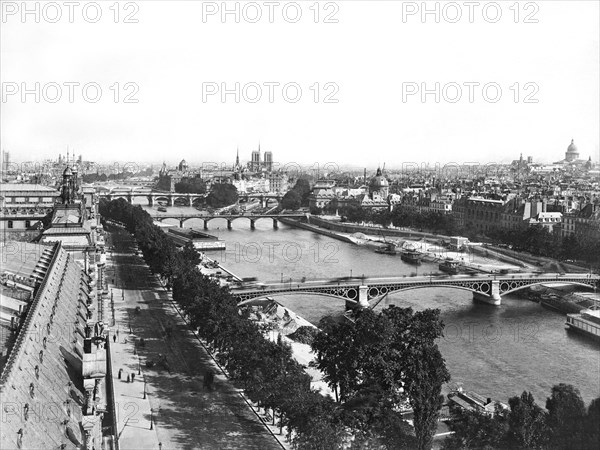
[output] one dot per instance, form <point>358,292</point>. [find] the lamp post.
<point>144,388</point>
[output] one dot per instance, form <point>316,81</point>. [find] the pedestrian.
<point>117,332</point>
<point>120,372</point>
<point>115,338</point>
<point>128,379</point>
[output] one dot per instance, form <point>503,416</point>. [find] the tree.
<point>477,430</point>
<point>222,194</point>
<point>191,185</point>
<point>566,412</point>
<point>527,422</point>
<point>291,200</point>
<point>426,373</point>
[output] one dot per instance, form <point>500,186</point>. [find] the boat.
<point>410,255</point>
<point>162,209</point>
<point>472,401</point>
<point>586,322</point>
<point>389,249</point>
<point>450,266</point>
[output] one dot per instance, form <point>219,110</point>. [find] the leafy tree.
<point>566,412</point>
<point>527,423</point>
<point>477,430</point>
<point>222,194</point>
<point>291,200</point>
<point>191,185</point>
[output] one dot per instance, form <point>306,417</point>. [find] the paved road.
<point>186,416</point>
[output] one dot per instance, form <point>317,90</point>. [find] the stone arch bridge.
<point>228,217</point>
<point>169,198</point>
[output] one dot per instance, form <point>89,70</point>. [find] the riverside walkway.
<point>177,413</point>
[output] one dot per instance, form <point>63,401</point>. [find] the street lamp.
<point>144,388</point>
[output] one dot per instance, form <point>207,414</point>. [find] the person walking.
<point>120,372</point>
<point>132,377</point>
<point>128,379</point>
<point>115,338</point>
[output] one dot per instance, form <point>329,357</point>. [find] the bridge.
<point>229,217</point>
<point>360,291</point>
<point>169,198</point>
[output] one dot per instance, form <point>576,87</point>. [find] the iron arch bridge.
<point>487,288</point>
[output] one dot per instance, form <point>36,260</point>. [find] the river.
<point>495,351</point>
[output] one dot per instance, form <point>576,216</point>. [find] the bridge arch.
<point>479,288</point>
<point>261,296</point>
<point>508,287</point>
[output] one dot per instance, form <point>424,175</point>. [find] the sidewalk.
<point>185,415</point>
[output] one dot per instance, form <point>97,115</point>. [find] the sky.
<point>339,82</point>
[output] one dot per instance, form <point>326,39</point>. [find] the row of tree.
<point>565,424</point>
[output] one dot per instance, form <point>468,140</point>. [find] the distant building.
<point>278,182</point>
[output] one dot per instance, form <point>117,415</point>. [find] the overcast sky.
<point>374,61</point>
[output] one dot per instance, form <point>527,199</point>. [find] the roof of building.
<point>40,371</point>
<point>7,188</point>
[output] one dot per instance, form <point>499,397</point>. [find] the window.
<point>10,224</point>
<point>27,223</point>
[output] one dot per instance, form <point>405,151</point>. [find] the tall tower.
<point>67,193</point>
<point>268,161</point>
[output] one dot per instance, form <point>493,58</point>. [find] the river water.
<point>495,351</point>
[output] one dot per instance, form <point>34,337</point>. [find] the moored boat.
<point>450,266</point>
<point>586,322</point>
<point>410,255</point>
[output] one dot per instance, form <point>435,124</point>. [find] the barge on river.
<point>586,322</point>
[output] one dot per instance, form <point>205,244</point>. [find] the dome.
<point>572,148</point>
<point>183,163</point>
<point>67,172</point>
<point>379,180</point>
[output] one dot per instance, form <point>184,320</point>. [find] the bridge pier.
<point>229,224</point>
<point>363,297</point>
<point>252,225</point>
<point>492,299</point>
<point>275,224</point>
<point>181,224</point>
<point>150,201</point>
<point>205,224</point>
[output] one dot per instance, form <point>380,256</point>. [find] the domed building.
<point>572,153</point>
<point>572,157</point>
<point>379,188</point>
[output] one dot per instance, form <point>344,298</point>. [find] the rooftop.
<point>25,187</point>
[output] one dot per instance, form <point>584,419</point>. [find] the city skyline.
<point>377,77</point>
